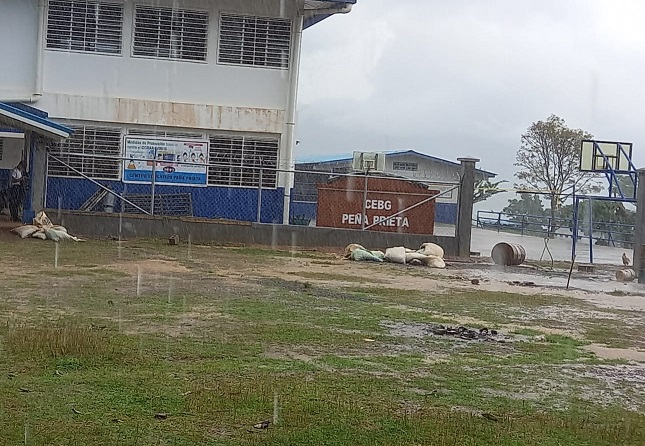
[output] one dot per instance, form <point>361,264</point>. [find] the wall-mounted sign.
<point>179,162</point>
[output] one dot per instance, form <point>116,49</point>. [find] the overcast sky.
<point>467,77</point>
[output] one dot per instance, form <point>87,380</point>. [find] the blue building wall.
<point>445,213</point>
<point>208,202</point>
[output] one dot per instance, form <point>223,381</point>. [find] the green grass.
<point>84,359</point>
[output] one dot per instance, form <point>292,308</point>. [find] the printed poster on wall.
<point>178,162</point>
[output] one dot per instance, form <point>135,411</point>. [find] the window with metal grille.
<point>169,33</point>
<point>88,26</point>
<point>254,41</point>
<point>237,161</point>
<point>405,166</point>
<point>1,148</point>
<point>94,151</point>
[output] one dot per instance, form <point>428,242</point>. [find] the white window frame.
<point>406,164</point>
<point>46,33</point>
<point>287,61</point>
<point>271,170</point>
<point>81,155</point>
<point>172,9</point>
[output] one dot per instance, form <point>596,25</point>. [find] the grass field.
<point>142,343</point>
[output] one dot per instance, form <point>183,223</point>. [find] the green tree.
<point>527,204</point>
<point>549,160</point>
<point>484,189</point>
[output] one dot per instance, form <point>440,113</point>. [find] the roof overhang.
<point>318,10</point>
<point>26,119</point>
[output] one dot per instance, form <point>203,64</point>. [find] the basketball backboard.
<point>605,156</point>
<point>368,161</point>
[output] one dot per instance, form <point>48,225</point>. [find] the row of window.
<point>410,167</point>
<point>167,33</point>
<point>233,160</point>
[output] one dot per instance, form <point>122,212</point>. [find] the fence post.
<point>152,183</point>
<point>523,223</point>
<point>465,206</point>
<point>639,228</point>
<point>258,219</point>
<point>363,217</point>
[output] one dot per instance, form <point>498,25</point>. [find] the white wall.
<point>93,87</point>
<point>125,76</point>
<point>18,24</point>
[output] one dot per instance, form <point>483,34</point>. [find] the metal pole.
<point>259,198</point>
<point>590,232</point>
<point>152,184</point>
<point>96,182</point>
<point>364,216</point>
<point>574,229</point>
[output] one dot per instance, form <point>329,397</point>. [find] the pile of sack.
<point>429,254</point>
<point>43,229</point>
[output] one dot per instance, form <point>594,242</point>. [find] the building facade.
<point>437,172</point>
<point>224,72</point>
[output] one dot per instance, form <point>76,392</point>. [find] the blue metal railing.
<point>604,233</point>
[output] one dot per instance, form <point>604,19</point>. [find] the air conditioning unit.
<point>368,162</point>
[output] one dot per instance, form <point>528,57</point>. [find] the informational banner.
<point>179,162</point>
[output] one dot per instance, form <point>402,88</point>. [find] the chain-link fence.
<point>254,193</point>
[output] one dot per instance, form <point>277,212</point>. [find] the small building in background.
<point>437,172</point>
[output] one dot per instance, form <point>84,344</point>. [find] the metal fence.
<point>248,192</point>
<point>602,233</point>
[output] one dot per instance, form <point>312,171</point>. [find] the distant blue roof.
<point>404,152</point>
<point>311,17</point>
<point>25,118</point>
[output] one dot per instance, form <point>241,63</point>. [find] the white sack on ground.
<point>25,231</point>
<point>395,255</point>
<point>39,235</point>
<point>431,249</point>
<point>351,248</point>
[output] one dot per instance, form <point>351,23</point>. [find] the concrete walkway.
<point>483,241</point>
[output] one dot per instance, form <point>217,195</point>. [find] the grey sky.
<point>468,77</point>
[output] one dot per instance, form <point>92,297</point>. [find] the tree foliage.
<point>528,205</point>
<point>484,189</point>
<point>549,160</point>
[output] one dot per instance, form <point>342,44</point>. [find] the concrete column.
<point>639,228</point>
<point>35,199</point>
<point>465,206</point>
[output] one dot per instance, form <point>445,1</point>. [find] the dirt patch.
<point>151,266</point>
<point>287,355</point>
<point>616,353</point>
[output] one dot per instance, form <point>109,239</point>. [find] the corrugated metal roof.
<point>311,6</point>
<point>405,152</point>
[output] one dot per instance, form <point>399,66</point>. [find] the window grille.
<point>411,167</point>
<point>88,26</point>
<point>254,41</point>
<point>169,33</point>
<point>237,161</point>
<point>81,149</point>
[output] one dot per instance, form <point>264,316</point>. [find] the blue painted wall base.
<point>234,203</point>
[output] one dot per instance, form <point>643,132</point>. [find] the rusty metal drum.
<point>508,254</point>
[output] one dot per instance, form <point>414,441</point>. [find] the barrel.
<point>508,254</point>
<point>625,275</point>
